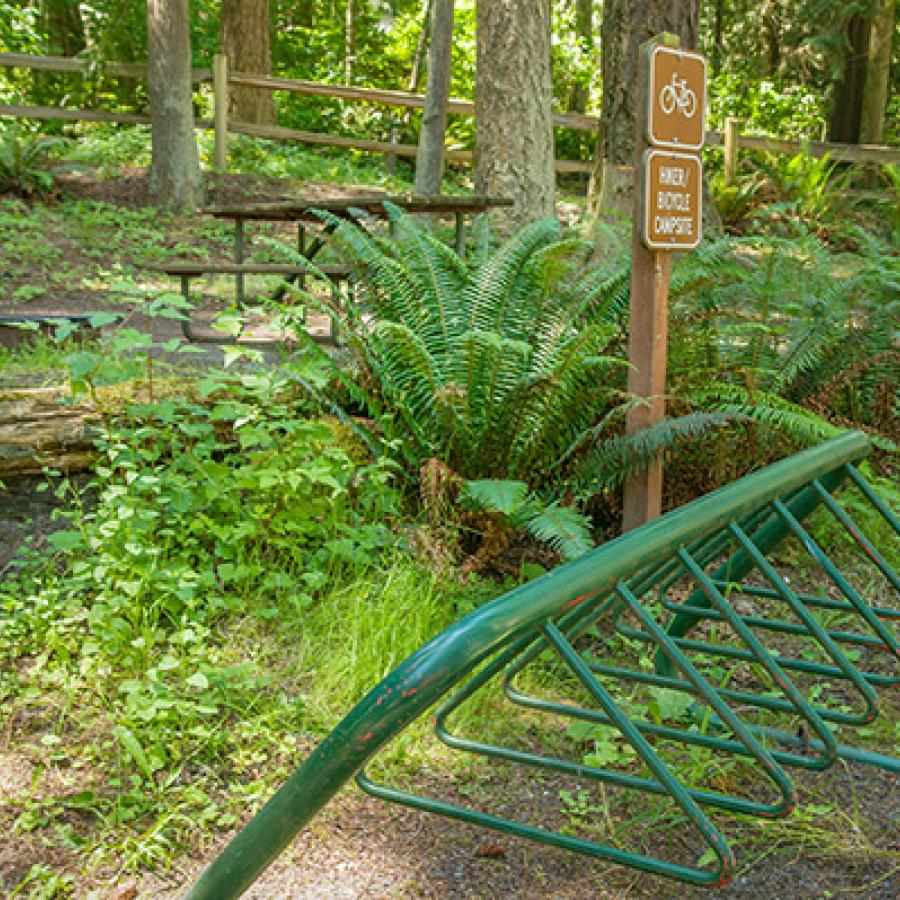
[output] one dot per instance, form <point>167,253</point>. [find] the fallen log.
<point>44,428</point>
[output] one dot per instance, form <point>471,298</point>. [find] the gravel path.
<point>359,847</point>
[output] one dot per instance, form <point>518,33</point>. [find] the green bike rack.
<point>816,657</point>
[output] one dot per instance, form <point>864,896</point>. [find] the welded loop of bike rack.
<point>579,610</point>
<point>711,603</point>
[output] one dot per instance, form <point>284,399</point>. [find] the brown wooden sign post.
<point>667,217</point>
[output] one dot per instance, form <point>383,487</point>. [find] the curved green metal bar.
<point>862,608</point>
<point>795,698</point>
<point>662,783</point>
<point>858,536</point>
<point>443,662</point>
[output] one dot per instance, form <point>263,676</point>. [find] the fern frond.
<point>562,527</point>
<point>767,409</point>
<point>487,293</point>
<point>496,495</point>
<point>617,458</point>
<point>390,292</point>
<point>411,379</point>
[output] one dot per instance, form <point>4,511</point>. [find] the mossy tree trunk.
<point>846,108</point>
<point>878,74</point>
<point>584,34</point>
<point>626,25</point>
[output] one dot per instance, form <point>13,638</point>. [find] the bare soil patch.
<point>360,847</point>
<point>131,188</point>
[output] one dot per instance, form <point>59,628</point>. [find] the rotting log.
<point>39,429</point>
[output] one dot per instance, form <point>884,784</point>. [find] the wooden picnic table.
<point>303,210</point>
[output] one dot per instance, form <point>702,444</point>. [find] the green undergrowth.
<point>38,361</point>
<point>233,578</point>
<point>111,149</point>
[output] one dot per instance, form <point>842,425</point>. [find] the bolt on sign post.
<point>667,217</point>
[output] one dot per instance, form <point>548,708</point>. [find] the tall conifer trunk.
<point>584,34</point>
<point>175,168</point>
<point>65,30</point>
<point>513,107</point>
<point>626,25</point>
<point>878,74</point>
<point>430,156</point>
<point>846,109</point>
<point>244,39</point>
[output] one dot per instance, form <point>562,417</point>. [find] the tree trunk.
<point>65,30</point>
<point>846,112</point>
<point>349,41</point>
<point>513,106</point>
<point>244,39</point>
<point>175,168</point>
<point>626,25</point>
<point>718,30</point>
<point>305,13</point>
<point>878,74</point>
<point>430,156</point>
<point>415,75</point>
<point>42,427</point>
<point>772,27</point>
<point>584,34</point>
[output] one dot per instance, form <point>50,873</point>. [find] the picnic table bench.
<point>14,326</point>
<point>188,271</point>
<point>305,211</point>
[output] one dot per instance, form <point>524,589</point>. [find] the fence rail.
<point>732,140</point>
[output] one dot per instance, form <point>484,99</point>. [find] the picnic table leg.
<point>239,258</point>
<point>186,293</point>
<point>301,249</point>
<point>314,248</point>
<point>460,243</point>
<point>333,329</point>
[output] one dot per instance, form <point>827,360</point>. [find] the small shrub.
<point>30,163</point>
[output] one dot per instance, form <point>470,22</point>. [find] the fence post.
<point>220,110</point>
<point>390,159</point>
<point>732,141</point>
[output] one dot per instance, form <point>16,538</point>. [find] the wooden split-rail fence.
<point>220,77</point>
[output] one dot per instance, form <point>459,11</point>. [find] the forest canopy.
<point>782,67</point>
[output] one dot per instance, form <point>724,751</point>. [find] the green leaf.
<point>604,754</point>
<point>66,540</point>
<point>83,364</point>
<point>198,681</point>
<point>130,743</point>
<point>564,528</point>
<point>99,319</point>
<point>672,704</point>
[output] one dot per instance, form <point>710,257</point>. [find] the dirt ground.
<point>360,847</point>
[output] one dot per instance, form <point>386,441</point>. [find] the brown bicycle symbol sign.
<point>677,99</point>
<point>678,94</point>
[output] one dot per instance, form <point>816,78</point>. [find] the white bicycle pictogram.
<point>678,94</point>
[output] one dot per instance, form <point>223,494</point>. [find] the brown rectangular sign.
<point>672,192</point>
<point>676,99</point>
